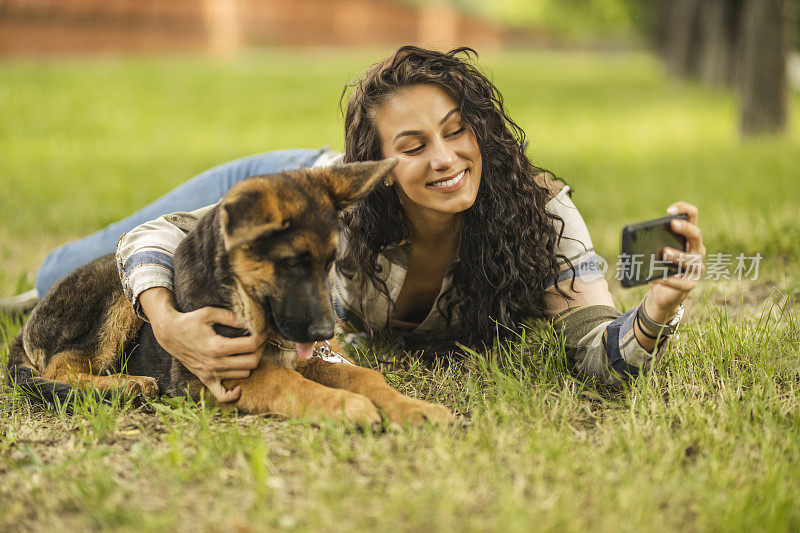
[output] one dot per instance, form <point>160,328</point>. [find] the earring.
<point>386,182</point>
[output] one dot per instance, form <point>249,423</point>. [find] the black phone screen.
<point>641,260</point>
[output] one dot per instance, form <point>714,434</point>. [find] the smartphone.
<point>641,259</point>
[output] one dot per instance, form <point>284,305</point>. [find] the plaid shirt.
<point>598,338</point>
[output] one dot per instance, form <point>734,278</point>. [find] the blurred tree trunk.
<point>659,26</point>
<point>682,32</point>
<point>763,83</point>
<point>741,43</point>
<point>719,48</point>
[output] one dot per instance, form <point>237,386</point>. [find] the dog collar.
<point>281,346</point>
<point>322,350</point>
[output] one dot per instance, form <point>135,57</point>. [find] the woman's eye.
<point>459,131</point>
<point>413,150</point>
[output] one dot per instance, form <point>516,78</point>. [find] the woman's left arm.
<point>601,340</point>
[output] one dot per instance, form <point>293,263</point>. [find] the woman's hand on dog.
<point>191,339</point>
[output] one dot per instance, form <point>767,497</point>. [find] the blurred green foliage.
<point>569,18</point>
<point>581,19</point>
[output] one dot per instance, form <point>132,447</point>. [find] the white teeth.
<point>450,182</point>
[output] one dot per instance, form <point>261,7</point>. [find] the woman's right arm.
<point>144,260</point>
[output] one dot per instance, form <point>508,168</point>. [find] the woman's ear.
<point>347,184</point>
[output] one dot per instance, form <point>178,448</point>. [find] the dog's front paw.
<point>360,411</point>
<point>140,386</point>
<point>410,411</point>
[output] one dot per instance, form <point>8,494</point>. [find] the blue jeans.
<point>204,189</point>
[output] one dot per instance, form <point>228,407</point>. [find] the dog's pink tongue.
<point>304,350</point>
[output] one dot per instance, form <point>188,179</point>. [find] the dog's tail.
<point>23,375</point>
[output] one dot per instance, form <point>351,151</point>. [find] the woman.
<point>466,234</point>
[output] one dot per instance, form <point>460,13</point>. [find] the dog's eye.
<point>290,262</point>
<point>260,246</point>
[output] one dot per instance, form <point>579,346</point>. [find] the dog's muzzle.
<point>298,328</point>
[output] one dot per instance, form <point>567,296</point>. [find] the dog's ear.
<point>350,182</point>
<point>237,212</point>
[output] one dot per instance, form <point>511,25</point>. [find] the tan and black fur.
<point>265,252</point>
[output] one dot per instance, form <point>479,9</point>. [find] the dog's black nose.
<point>320,332</point>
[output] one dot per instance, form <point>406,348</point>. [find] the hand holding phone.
<point>672,241</point>
<point>642,256</point>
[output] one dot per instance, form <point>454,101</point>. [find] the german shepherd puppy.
<point>265,252</point>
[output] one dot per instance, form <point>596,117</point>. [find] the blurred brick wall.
<point>223,26</point>
<point>66,26</point>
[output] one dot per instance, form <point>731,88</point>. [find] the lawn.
<point>707,439</point>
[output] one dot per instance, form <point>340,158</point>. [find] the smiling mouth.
<point>451,181</point>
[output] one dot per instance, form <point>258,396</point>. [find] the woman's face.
<point>439,161</point>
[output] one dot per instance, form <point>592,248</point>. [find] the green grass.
<point>708,439</point>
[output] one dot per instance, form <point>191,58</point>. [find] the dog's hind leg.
<point>92,356</point>
<point>73,367</point>
<point>23,375</point>
<point>399,408</point>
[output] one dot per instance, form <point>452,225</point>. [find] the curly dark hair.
<point>505,261</point>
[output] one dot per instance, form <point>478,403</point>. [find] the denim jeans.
<point>205,189</point>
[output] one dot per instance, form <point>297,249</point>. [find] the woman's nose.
<point>442,156</point>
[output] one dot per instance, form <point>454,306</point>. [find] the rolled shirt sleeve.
<point>598,338</point>
<point>145,254</point>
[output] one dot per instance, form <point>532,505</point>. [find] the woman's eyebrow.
<point>448,115</point>
<point>418,132</point>
<point>407,132</point>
